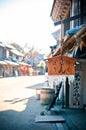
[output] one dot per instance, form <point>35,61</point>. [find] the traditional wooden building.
<point>71,15</point>
<point>10,60</point>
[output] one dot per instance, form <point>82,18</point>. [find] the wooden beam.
<point>70,19</point>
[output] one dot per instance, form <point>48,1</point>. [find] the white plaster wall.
<point>56,80</point>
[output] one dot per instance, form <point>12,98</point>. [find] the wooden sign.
<point>61,65</point>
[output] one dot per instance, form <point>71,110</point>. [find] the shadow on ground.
<point>23,120</point>
<point>40,85</point>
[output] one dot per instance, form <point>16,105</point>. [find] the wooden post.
<point>61,35</point>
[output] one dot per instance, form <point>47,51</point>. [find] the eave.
<point>60,10</point>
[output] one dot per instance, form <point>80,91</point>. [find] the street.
<point>18,103</point>
<point>15,91</point>
<point>19,106</point>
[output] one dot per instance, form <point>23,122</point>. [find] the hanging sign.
<point>61,65</point>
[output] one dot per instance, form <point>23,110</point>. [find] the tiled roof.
<point>17,52</point>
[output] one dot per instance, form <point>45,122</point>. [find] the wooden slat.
<point>61,8</point>
<point>49,118</point>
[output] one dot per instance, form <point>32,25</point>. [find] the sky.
<point>27,22</point>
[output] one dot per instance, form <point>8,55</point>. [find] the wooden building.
<point>71,15</point>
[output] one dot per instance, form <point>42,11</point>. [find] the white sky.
<point>27,22</point>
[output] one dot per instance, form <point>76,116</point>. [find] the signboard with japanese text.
<point>61,65</point>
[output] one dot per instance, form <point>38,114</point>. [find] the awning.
<point>2,45</point>
<point>23,63</point>
<point>9,46</point>
<point>3,63</point>
<point>11,63</point>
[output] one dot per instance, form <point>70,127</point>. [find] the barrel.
<point>47,95</point>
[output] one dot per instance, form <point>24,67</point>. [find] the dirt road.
<point>18,105</point>
<point>17,88</point>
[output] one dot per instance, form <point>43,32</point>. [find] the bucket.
<point>47,95</point>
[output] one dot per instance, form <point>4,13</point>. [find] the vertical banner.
<point>61,65</point>
<point>77,99</point>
